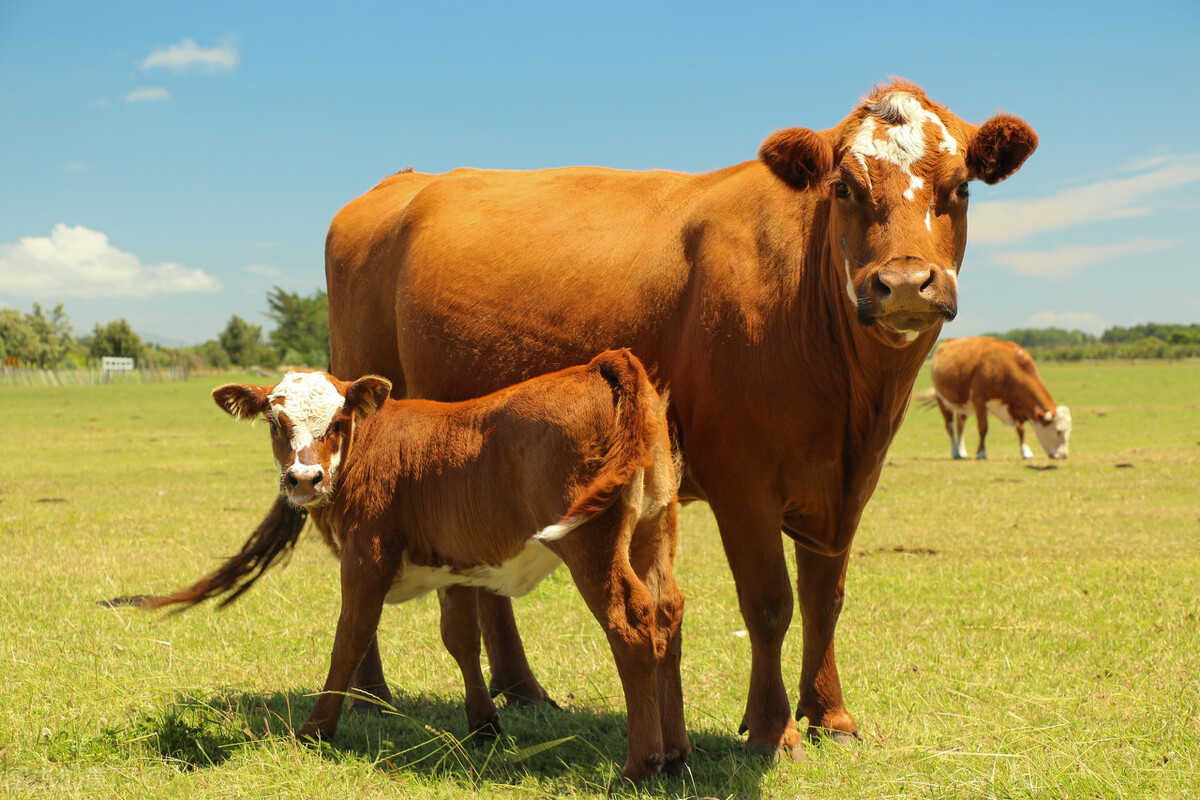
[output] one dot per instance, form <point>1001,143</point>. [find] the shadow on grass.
<point>563,751</point>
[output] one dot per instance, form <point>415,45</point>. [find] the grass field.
<point>1012,629</point>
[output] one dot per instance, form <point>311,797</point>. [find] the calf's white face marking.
<point>310,401</point>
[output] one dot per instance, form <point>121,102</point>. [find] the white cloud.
<point>1009,221</point>
<point>147,94</point>
<point>187,56</point>
<point>75,166</point>
<point>266,270</point>
<point>1071,320</point>
<point>1066,260</point>
<point>80,262</point>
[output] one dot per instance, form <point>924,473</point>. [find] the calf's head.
<point>311,416</point>
<point>1053,429</point>
<point>895,174</point>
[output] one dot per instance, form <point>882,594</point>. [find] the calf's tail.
<point>274,538</point>
<point>639,413</point>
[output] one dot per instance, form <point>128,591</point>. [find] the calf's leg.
<point>368,680</point>
<point>460,635</point>
<point>652,555</point>
<point>597,555</point>
<point>365,582</point>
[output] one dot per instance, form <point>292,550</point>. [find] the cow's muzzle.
<point>908,294</point>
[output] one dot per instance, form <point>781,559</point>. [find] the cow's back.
<point>982,367</point>
<point>476,279</point>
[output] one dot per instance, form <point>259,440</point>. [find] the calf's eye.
<point>274,427</point>
<point>841,189</point>
<point>963,190</point>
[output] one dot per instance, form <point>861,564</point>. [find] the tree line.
<point>300,338</point>
<point>1151,340</point>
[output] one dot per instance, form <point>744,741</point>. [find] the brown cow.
<point>414,496</point>
<point>986,374</point>
<point>788,302</point>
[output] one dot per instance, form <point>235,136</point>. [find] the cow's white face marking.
<point>1055,436</point>
<point>903,143</point>
<point>849,280</point>
<point>310,401</point>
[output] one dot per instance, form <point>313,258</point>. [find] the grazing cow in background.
<point>787,302</point>
<point>989,375</point>
<point>414,496</point>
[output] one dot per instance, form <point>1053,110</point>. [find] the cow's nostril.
<point>291,480</point>
<point>318,477</point>
<point>882,290</point>
<point>928,284</point>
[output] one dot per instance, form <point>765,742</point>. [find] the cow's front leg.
<point>368,687</point>
<point>753,544</point>
<point>1026,452</point>
<point>821,584</point>
<point>981,419</point>
<point>511,674</point>
<point>460,635</point>
<point>365,581</point>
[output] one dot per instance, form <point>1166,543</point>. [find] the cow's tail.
<point>640,412</point>
<point>926,398</point>
<point>274,538</point>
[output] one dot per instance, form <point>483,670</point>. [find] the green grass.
<point>1010,631</point>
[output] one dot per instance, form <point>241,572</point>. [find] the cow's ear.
<point>798,156</point>
<point>999,147</point>
<point>242,401</point>
<point>367,395</point>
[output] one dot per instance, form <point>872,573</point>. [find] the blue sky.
<point>170,162</point>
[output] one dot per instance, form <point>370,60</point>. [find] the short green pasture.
<point>1012,629</point>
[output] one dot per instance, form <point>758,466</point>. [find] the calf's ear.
<point>798,156</point>
<point>367,395</point>
<point>242,401</point>
<point>999,147</point>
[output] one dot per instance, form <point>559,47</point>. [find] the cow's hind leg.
<point>365,581</point>
<point>981,419</point>
<point>652,555</point>
<point>948,416</point>
<point>597,555</point>
<point>460,634</point>
<point>511,674</point>
<point>821,583</point>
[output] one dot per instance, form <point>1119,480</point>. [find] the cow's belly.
<point>513,578</point>
<point>957,408</point>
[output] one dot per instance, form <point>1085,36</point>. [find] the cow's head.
<point>1053,429</point>
<point>311,416</point>
<point>896,172</point>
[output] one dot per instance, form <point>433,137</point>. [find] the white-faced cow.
<point>415,496</point>
<point>982,374</point>
<point>788,302</point>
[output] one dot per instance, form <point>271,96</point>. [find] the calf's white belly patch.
<point>512,578</point>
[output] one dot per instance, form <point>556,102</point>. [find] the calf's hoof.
<point>648,767</point>
<point>674,760</point>
<point>775,753</point>
<point>833,735</point>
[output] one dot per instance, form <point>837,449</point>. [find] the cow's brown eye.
<point>963,190</point>
<point>841,189</point>
<point>336,428</point>
<point>274,427</point>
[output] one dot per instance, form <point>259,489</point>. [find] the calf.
<point>414,496</point>
<point>988,374</point>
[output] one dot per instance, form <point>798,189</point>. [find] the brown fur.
<point>467,485</point>
<point>732,286</point>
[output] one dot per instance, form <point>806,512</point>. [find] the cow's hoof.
<point>523,695</point>
<point>310,734</point>
<point>775,753</point>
